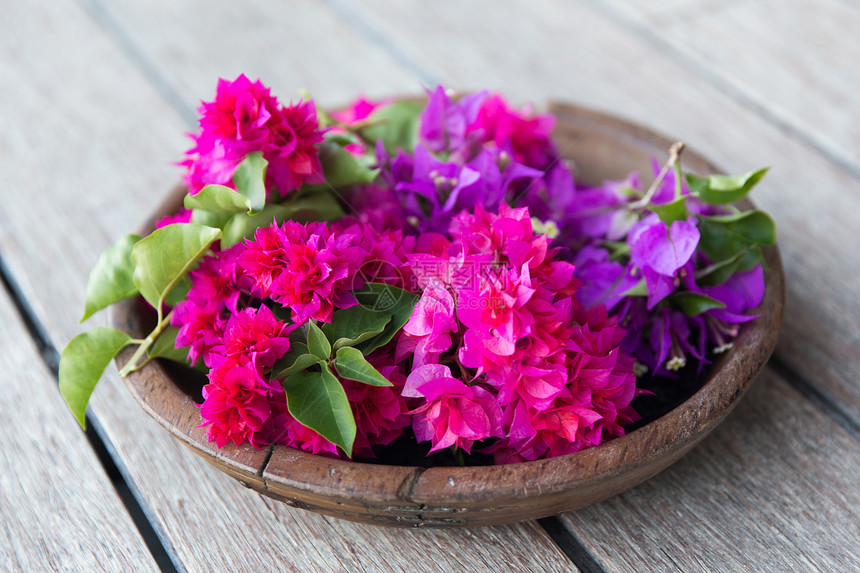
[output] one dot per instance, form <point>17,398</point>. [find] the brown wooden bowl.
<point>601,147</point>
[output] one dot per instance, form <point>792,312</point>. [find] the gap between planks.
<point>622,18</point>
<point>51,358</point>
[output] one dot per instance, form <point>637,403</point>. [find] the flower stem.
<point>674,154</point>
<point>677,148</point>
<point>458,456</point>
<point>144,345</point>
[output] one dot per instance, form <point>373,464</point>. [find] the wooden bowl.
<point>601,147</point>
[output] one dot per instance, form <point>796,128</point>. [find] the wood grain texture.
<point>58,509</point>
<point>83,109</point>
<point>572,51</point>
<point>751,49</point>
<point>191,44</point>
<point>759,494</point>
<point>86,142</point>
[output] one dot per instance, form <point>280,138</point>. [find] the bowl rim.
<point>475,495</point>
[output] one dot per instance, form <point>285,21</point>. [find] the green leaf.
<point>350,326</point>
<point>321,205</point>
<point>296,350</point>
<point>209,219</point>
<point>242,226</point>
<point>351,364</point>
<point>218,200</point>
<point>317,400</point>
<point>719,272</point>
<point>178,293</point>
<point>342,138</point>
<point>83,362</point>
<point>673,211</point>
<point>343,169</point>
<point>112,277</point>
<point>250,180</point>
<point>396,125</point>
<point>318,344</point>
<point>388,299</point>
<point>302,362</point>
<point>641,289</point>
<point>722,189</point>
<point>318,206</point>
<point>693,303</point>
<point>163,258</point>
<point>725,236</point>
<point>165,347</point>
<point>617,249</point>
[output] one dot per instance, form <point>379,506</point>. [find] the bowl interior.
<point>600,147</point>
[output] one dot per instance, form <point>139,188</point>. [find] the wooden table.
<point>95,98</point>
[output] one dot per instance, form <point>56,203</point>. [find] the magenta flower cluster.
<point>245,118</point>
<point>304,271</point>
<point>533,368</point>
<point>535,298</point>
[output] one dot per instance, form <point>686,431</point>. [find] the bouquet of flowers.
<point>426,272</point>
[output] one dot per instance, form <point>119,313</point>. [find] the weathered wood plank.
<point>104,167</point>
<point>571,51</point>
<point>574,52</point>
<point>58,509</point>
<point>772,489</point>
<point>752,49</point>
<point>289,45</point>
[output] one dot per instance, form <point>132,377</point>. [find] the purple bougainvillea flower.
<point>603,281</point>
<point>659,252</point>
<point>666,191</point>
<point>443,122</point>
<point>594,212</point>
<point>743,291</point>
<point>670,339</point>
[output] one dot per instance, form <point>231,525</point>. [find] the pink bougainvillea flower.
<point>292,150</point>
<point>257,334</point>
<point>201,327</point>
<point>358,110</point>
<point>299,436</point>
<point>216,285</point>
<point>308,268</point>
<point>495,314</point>
<point>245,118</point>
<point>235,403</point>
<point>181,216</point>
<point>529,134</point>
<point>535,381</point>
<point>381,413</point>
<point>239,112</point>
<point>428,332</point>
<point>454,414</point>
